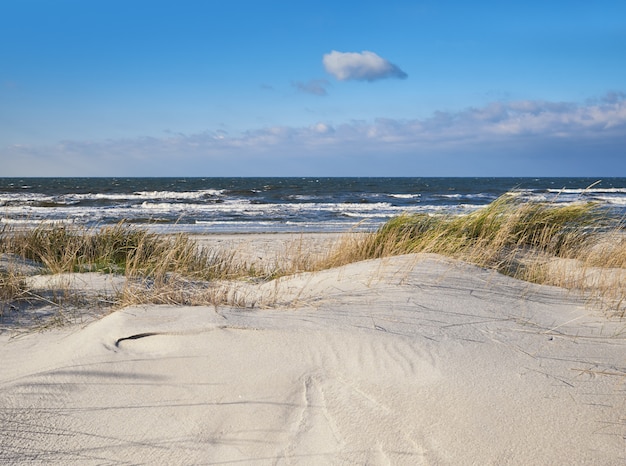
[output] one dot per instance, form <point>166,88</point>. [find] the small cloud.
<point>266,87</point>
<point>314,86</point>
<point>364,66</point>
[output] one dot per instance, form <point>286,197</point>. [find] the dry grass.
<point>158,268</point>
<point>21,306</point>
<point>487,237</point>
<point>118,249</point>
<point>574,246</point>
<point>12,288</point>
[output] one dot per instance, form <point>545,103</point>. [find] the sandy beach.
<point>414,359</point>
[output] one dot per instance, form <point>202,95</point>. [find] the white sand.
<point>410,360</point>
<point>264,249</point>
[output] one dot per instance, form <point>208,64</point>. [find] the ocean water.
<point>243,205</point>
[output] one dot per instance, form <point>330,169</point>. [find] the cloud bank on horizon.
<point>364,66</point>
<point>552,134</point>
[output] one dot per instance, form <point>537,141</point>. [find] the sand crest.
<point>408,360</point>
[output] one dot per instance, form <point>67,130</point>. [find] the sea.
<point>268,205</point>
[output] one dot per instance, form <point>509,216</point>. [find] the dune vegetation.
<point>578,247</point>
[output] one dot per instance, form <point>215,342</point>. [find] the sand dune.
<point>409,360</point>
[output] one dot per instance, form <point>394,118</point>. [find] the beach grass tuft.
<point>159,268</point>
<point>121,248</point>
<point>541,242</point>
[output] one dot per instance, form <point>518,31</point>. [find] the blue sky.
<point>287,88</point>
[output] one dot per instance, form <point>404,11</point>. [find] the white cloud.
<point>364,66</point>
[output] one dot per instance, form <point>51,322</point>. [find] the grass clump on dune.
<point>158,268</point>
<point>486,237</point>
<point>534,241</point>
<point>120,249</point>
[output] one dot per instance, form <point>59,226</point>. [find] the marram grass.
<point>523,239</point>
<point>121,249</point>
<point>488,236</point>
<point>158,268</point>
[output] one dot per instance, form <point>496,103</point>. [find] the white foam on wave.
<point>588,191</point>
<point>155,195</point>
<point>24,198</point>
<point>615,200</point>
<point>464,196</point>
<point>162,206</point>
<point>36,222</point>
<point>368,215</point>
<point>239,206</point>
<point>199,194</point>
<point>405,196</point>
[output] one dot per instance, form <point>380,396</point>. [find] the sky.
<point>324,88</point>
